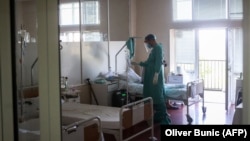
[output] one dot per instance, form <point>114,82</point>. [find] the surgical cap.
<point>150,37</point>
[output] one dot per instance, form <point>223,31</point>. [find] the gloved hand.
<point>155,79</point>
<point>134,63</point>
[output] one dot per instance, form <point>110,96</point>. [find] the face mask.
<point>148,47</point>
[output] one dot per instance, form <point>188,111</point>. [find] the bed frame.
<point>195,88</point>
<point>194,94</point>
<point>131,115</point>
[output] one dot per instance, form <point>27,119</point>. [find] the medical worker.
<point>153,79</point>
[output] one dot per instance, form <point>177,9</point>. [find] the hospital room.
<point>99,79</point>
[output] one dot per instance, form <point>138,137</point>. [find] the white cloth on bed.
<point>130,76</point>
<point>173,91</point>
<point>110,116</point>
<point>133,88</point>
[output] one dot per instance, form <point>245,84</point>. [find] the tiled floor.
<point>215,97</point>
<point>215,112</point>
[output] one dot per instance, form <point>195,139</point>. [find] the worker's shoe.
<point>172,107</point>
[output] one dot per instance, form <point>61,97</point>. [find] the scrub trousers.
<point>160,114</point>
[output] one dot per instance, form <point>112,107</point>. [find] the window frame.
<point>228,15</point>
<point>75,28</point>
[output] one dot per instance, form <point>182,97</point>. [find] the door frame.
<point>6,92</point>
<point>228,96</point>
<point>232,73</point>
<point>48,52</point>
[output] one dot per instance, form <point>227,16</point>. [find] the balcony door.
<point>213,63</point>
<point>213,54</point>
<point>220,60</point>
<point>234,66</point>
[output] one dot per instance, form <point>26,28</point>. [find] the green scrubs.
<point>151,66</point>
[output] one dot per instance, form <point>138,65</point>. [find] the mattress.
<point>29,130</point>
<point>109,116</point>
<point>173,91</point>
<point>176,93</point>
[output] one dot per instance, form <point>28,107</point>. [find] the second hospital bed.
<point>189,94</point>
<point>115,120</point>
<point>72,129</point>
<point>76,129</point>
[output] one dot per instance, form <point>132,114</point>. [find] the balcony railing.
<point>212,71</point>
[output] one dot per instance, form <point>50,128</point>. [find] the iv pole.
<point>23,34</point>
<point>127,59</point>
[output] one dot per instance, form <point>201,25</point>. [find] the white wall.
<point>152,17</point>
<point>246,66</point>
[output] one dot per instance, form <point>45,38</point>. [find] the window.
<point>92,36</point>
<point>75,36</point>
<point>210,9</point>
<point>182,10</point>
<point>187,10</point>
<point>69,13</point>
<point>70,37</point>
<point>236,9</point>
<point>236,43</point>
<point>91,12</point>
<point>70,21</point>
<point>185,49</point>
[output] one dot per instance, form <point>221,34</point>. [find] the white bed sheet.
<point>110,118</point>
<point>172,91</point>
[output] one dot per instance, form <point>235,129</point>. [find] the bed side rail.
<point>92,130</point>
<point>195,87</point>
<point>134,113</point>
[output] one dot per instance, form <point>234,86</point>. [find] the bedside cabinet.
<point>175,79</point>
<point>103,93</point>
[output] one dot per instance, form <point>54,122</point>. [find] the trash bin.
<point>119,98</point>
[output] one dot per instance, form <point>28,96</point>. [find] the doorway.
<point>212,63</point>
<point>213,54</point>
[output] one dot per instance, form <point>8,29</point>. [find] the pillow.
<point>131,76</point>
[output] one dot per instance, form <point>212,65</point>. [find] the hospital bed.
<point>72,129</point>
<point>116,120</point>
<point>189,94</point>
